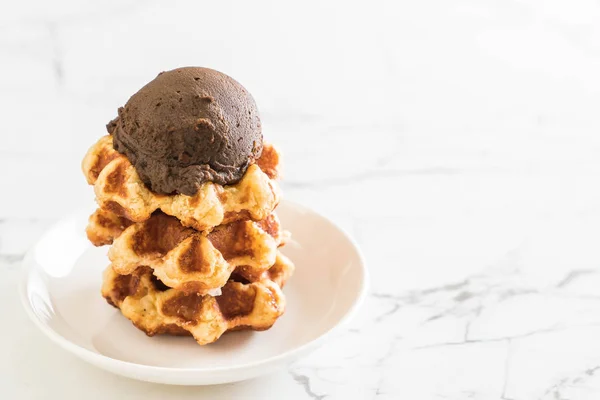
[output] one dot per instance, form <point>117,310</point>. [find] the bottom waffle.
<point>157,309</point>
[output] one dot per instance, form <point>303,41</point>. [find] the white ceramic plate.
<point>61,293</point>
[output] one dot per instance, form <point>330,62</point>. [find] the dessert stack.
<point>187,192</point>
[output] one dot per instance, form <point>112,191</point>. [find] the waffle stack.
<point>196,265</point>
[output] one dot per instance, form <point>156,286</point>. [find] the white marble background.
<point>457,140</point>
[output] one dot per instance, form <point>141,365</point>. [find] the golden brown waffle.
<point>120,190</point>
<point>191,261</point>
<point>156,309</point>
<point>104,226</point>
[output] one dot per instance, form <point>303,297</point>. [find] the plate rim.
<point>99,358</point>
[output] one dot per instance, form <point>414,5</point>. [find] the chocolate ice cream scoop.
<point>186,127</point>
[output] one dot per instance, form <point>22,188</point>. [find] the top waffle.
<point>120,190</point>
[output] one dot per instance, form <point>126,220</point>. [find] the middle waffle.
<point>186,259</point>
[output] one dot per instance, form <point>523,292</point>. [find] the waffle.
<point>191,261</point>
<point>156,309</point>
<point>104,226</point>
<point>120,190</point>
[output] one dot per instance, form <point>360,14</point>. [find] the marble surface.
<point>457,141</point>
